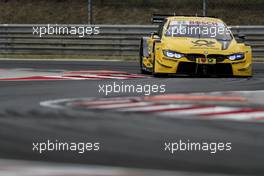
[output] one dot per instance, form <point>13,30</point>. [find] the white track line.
<point>197,111</point>
<point>155,107</point>
<point>105,77</point>
<point>240,116</point>
<point>37,168</point>
<point>65,77</point>
<point>124,105</point>
<point>100,102</point>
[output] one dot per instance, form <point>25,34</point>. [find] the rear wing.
<point>159,18</point>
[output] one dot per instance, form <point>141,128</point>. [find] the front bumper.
<point>185,66</point>
<point>204,69</point>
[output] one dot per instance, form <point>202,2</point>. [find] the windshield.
<point>198,30</point>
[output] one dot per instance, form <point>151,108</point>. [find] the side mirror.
<point>241,38</point>
<point>155,35</point>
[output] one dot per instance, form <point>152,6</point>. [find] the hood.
<point>200,45</point>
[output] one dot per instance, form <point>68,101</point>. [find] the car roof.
<point>201,19</point>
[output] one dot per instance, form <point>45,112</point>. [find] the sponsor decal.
<point>199,43</point>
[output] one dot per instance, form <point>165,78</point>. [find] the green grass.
<point>234,12</point>
<point>77,57</point>
<point>65,57</point>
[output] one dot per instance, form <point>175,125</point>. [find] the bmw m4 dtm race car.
<point>194,46</point>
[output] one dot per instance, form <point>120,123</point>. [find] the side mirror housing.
<point>241,38</point>
<point>155,35</point>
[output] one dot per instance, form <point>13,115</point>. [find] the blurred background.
<point>233,12</point>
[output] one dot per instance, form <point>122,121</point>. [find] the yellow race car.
<point>194,46</point>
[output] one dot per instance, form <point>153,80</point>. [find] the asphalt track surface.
<point>129,140</point>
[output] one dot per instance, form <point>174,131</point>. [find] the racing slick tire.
<point>142,71</point>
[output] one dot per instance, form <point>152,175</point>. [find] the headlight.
<point>237,56</point>
<point>173,54</point>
